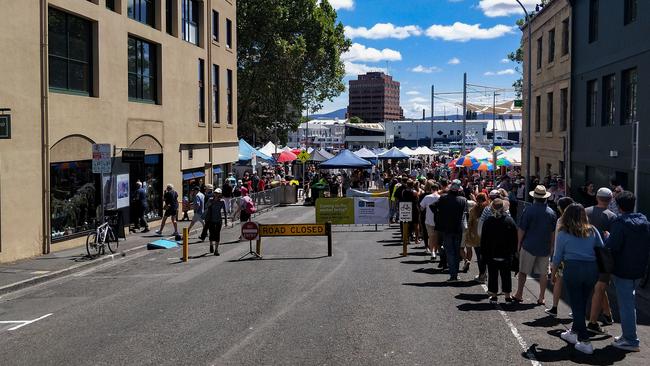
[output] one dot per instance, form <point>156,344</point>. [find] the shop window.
<point>74,199</point>
<point>69,53</point>
<point>142,70</point>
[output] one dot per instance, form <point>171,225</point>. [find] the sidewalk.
<point>28,272</point>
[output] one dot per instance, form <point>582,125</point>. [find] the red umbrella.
<point>296,151</point>
<point>286,157</point>
<point>452,164</point>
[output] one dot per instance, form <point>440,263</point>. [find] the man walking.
<point>140,201</point>
<point>450,213</point>
<point>171,210</point>
<point>629,243</point>
<point>536,239</point>
<point>208,196</point>
<point>198,205</point>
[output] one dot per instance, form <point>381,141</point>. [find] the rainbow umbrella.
<point>466,161</point>
<point>503,162</point>
<point>483,166</point>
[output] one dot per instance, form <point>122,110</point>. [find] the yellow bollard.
<point>186,245</point>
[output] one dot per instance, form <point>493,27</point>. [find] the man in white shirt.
<point>429,221</point>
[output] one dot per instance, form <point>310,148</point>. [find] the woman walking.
<point>562,204</point>
<point>215,206</point>
<point>472,238</point>
<point>574,246</point>
<point>498,248</point>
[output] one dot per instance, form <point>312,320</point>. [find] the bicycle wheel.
<point>111,241</point>
<point>91,245</point>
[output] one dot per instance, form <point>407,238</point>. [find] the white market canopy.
<point>514,155</point>
<point>408,151</point>
<point>480,154</point>
<point>268,149</point>
<point>423,150</point>
<point>365,154</point>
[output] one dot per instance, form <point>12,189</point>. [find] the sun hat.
<point>540,192</point>
<point>604,193</point>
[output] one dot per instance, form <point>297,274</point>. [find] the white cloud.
<point>342,4</point>
<point>500,72</point>
<point>420,100</point>
<point>359,52</point>
<point>454,61</point>
<point>461,32</point>
<point>505,61</point>
<point>425,69</point>
<point>412,92</point>
<point>382,31</point>
<point>501,8</point>
<point>354,69</point>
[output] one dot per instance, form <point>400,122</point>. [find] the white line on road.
<point>515,332</point>
<point>22,323</point>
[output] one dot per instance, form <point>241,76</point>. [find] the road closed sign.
<point>293,230</point>
<point>250,230</point>
<point>405,211</point>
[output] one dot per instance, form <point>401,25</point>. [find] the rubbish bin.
<point>289,194</point>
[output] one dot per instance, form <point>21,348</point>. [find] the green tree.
<point>355,119</point>
<point>289,60</point>
<point>518,57</point>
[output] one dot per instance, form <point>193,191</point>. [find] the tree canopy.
<point>289,60</point>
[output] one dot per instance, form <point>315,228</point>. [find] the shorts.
<point>171,212</point>
<point>431,230</point>
<point>530,264</point>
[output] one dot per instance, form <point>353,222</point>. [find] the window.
<point>592,102</point>
<point>74,197</point>
<point>593,20</point>
<point>549,112</point>
<point>565,36</point>
<point>538,112</point>
<point>539,53</point>
<point>609,107</point>
<point>629,13</point>
<point>229,97</point>
<point>69,52</point>
<point>551,45</point>
<point>201,91</point>
<point>629,96</point>
<point>215,94</point>
<point>564,108</point>
<point>191,10</point>
<point>169,17</point>
<point>142,70</point>
<point>215,25</point>
<point>228,33</point>
<point>110,4</point>
<point>142,11</point>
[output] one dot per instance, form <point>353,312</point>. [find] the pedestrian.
<point>228,194</point>
<point>472,237</point>
<point>429,220</point>
<point>465,249</point>
<point>498,248</point>
<point>215,206</point>
<point>198,205</point>
<point>575,247</point>
<point>209,193</point>
<point>629,243</point>
<point>562,204</point>
<point>409,195</point>
<point>601,218</point>
<point>140,203</point>
<point>246,208</point>
<point>170,197</point>
<point>450,212</point>
<point>536,238</point>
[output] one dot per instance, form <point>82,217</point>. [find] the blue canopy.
<point>393,154</point>
<point>345,160</point>
<point>246,152</point>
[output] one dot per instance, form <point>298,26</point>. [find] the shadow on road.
<point>442,284</point>
<point>602,356</point>
<point>486,306</point>
<point>472,297</point>
<point>547,322</point>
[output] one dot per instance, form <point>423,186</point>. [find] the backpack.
<point>249,206</point>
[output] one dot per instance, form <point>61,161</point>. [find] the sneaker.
<point>595,328</point>
<point>480,278</point>
<point>428,251</point>
<point>158,232</point>
<point>607,320</point>
<point>552,311</point>
<point>509,300</point>
<point>623,344</point>
<point>569,336</point>
<point>452,280</point>
<point>585,347</point>
<point>494,300</point>
<point>466,266</point>
<point>146,230</point>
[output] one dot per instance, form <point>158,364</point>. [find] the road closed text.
<point>293,230</point>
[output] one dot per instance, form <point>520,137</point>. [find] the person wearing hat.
<point>213,218</point>
<point>198,205</point>
<point>536,238</point>
<point>601,218</point>
<point>450,212</point>
<point>171,210</point>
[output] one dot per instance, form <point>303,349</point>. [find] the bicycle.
<point>96,242</point>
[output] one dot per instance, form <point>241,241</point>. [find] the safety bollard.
<point>328,229</point>
<point>186,245</point>
<point>405,238</point>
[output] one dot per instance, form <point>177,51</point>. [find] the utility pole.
<point>462,152</point>
<point>433,113</point>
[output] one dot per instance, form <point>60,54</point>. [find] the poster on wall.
<point>122,190</point>
<point>371,210</point>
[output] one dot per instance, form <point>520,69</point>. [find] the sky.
<point>432,42</point>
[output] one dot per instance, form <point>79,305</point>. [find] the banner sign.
<point>371,210</point>
<point>338,211</point>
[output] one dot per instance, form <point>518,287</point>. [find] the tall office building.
<point>374,97</point>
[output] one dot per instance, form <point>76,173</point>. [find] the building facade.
<point>611,75</point>
<point>154,79</point>
<point>374,97</point>
<point>551,88</point>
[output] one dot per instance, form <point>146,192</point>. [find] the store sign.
<point>101,158</point>
<point>133,156</point>
<point>5,126</point>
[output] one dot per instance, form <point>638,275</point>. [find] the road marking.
<point>22,323</point>
<point>515,332</point>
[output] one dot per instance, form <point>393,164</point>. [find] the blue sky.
<point>425,42</point>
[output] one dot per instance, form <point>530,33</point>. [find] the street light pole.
<point>530,95</point>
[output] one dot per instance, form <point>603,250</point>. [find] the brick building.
<point>374,97</point>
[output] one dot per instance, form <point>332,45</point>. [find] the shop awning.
<point>217,170</point>
<point>192,175</point>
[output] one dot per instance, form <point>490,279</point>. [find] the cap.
<point>217,191</point>
<point>604,193</point>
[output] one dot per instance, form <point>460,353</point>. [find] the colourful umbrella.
<point>286,157</point>
<point>503,162</point>
<point>466,161</point>
<point>483,166</point>
<point>452,164</point>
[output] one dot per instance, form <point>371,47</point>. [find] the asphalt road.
<point>366,305</point>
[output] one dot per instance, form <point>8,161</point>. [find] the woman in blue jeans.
<point>574,245</point>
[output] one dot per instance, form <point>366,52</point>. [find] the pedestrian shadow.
<point>431,271</point>
<point>547,322</point>
<point>389,241</point>
<point>472,297</point>
<point>276,259</point>
<point>486,306</point>
<point>601,357</point>
<point>425,261</point>
<point>441,284</point>
<point>395,244</point>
